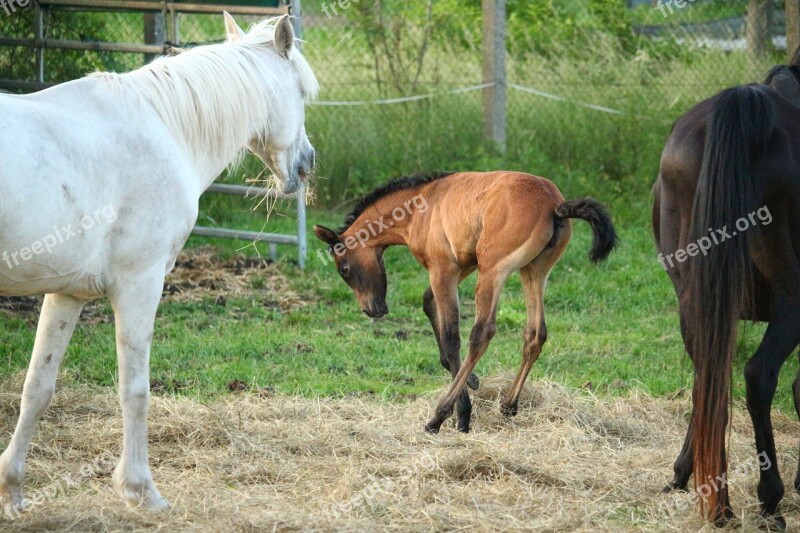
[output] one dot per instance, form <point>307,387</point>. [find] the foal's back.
<point>491,214</point>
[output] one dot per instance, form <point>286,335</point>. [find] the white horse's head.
<point>281,143</point>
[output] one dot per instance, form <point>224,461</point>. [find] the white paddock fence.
<point>272,239</point>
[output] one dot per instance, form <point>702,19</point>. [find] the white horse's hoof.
<point>141,495</point>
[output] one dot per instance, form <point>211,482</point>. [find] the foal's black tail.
<point>720,284</point>
<point>593,212</point>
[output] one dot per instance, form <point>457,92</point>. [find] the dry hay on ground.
<point>248,462</point>
<point>199,275</point>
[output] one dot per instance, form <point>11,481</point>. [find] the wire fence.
<point>400,95</point>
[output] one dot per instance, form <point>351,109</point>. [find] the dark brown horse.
<point>726,221</point>
<point>454,224</point>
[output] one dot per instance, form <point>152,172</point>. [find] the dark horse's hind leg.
<point>684,463</point>
<point>429,306</point>
<point>449,340</point>
<point>796,394</point>
<point>761,375</point>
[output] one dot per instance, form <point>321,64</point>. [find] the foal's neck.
<point>388,221</point>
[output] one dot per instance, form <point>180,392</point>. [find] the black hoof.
<point>724,518</point>
<point>473,382</point>
<point>509,410</point>
<point>674,487</point>
<point>432,428</point>
<point>773,521</point>
<point>463,428</point>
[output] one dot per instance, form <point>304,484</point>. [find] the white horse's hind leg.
<point>57,321</point>
<point>135,304</point>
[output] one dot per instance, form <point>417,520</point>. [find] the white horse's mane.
<point>215,96</point>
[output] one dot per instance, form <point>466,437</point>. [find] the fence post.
<point>39,40</point>
<point>296,9</point>
<point>494,71</point>
<point>302,241</point>
<point>155,31</point>
<point>759,37</point>
<point>792,28</point>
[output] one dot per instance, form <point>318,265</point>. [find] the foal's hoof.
<point>432,427</point>
<point>473,382</point>
<point>509,410</point>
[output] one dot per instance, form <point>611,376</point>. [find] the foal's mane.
<point>216,96</point>
<point>394,185</point>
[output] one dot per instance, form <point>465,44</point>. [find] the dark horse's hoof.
<point>509,410</point>
<point>674,487</point>
<point>473,382</point>
<point>773,522</point>
<point>723,518</point>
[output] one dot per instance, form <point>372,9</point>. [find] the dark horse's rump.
<point>729,180</point>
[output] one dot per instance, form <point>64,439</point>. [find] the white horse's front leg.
<point>135,303</point>
<point>56,323</point>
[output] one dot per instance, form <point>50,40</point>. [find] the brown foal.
<point>454,224</point>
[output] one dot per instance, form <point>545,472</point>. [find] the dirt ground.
<point>199,275</point>
<point>258,462</point>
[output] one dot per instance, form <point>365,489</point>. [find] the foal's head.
<point>361,267</point>
<point>281,143</point>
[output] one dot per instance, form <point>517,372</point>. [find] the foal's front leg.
<point>487,294</point>
<point>135,302</point>
<point>430,308</point>
<point>444,291</point>
<point>56,323</point>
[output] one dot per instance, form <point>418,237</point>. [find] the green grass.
<point>611,327</point>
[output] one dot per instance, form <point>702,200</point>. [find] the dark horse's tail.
<point>720,284</point>
<point>593,212</point>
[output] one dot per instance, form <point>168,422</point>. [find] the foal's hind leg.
<point>56,323</point>
<point>429,306</point>
<point>135,302</point>
<point>534,279</point>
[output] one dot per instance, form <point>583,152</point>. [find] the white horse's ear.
<point>284,36</point>
<point>232,30</point>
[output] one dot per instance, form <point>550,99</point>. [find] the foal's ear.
<point>284,36</point>
<point>232,30</point>
<point>328,236</point>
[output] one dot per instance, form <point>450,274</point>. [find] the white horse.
<point>99,186</point>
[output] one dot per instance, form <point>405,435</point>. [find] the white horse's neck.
<point>213,99</point>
